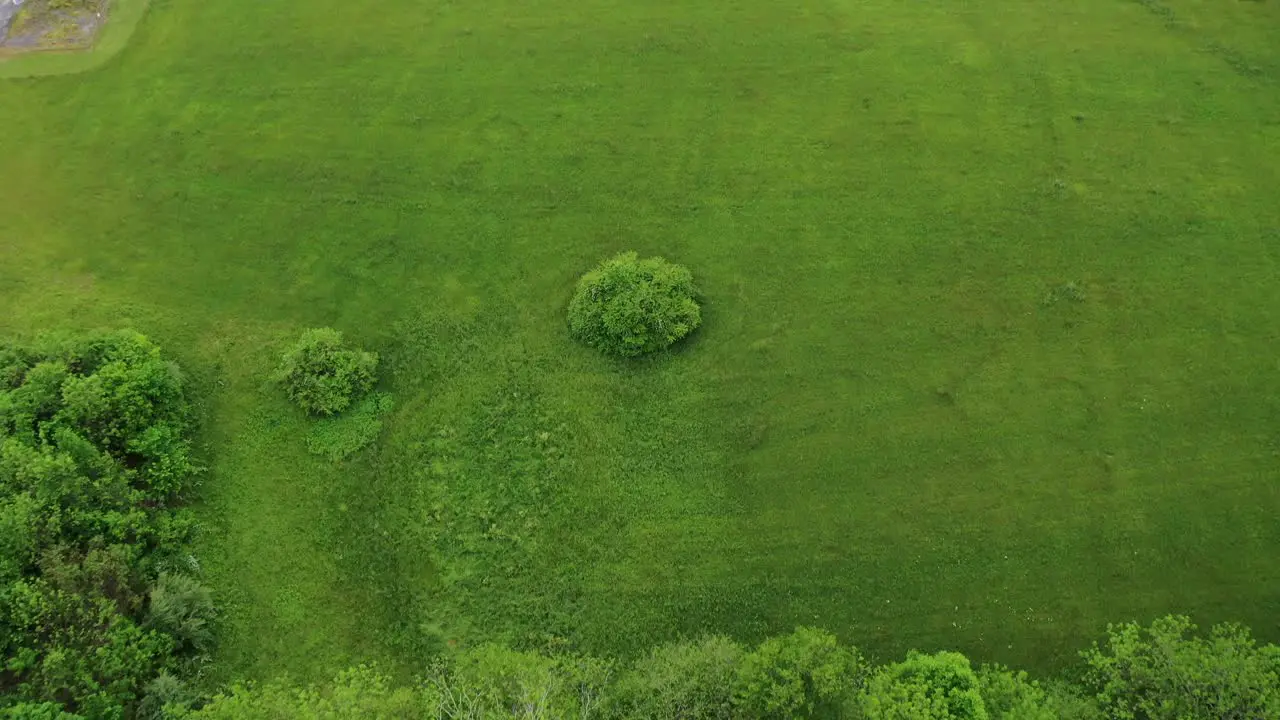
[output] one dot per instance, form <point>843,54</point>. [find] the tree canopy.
<point>629,307</point>
<point>95,463</point>
<point>322,375</point>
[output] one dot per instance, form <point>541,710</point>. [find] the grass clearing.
<point>893,422</point>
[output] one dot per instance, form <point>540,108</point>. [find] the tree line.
<point>1162,671</point>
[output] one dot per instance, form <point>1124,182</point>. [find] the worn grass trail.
<point>989,352</point>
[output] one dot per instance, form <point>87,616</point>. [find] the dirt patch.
<point>50,24</point>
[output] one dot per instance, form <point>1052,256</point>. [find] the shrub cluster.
<point>322,376</point>
<point>629,307</point>
<point>1161,672</point>
<point>95,462</point>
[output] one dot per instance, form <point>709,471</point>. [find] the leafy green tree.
<point>77,649</point>
<point>37,711</point>
<point>1166,672</point>
<point>691,680</point>
<point>322,376</point>
<point>19,536</point>
<point>94,460</point>
<point>629,307</point>
<point>796,675</point>
<point>925,687</point>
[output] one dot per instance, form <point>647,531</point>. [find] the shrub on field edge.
<point>1154,673</point>
<point>1166,672</point>
<point>321,375</point>
<point>629,307</point>
<point>941,686</point>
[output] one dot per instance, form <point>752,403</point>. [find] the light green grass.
<point>114,35</point>
<point>890,425</point>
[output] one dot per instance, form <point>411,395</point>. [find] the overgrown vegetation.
<point>629,307</point>
<point>341,436</point>
<point>1166,672</point>
<point>322,375</point>
<point>96,598</point>
<point>806,674</point>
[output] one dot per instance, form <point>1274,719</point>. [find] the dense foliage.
<point>1163,673</point>
<point>805,674</point>
<point>924,687</point>
<point>94,462</point>
<point>628,306</point>
<point>323,376</point>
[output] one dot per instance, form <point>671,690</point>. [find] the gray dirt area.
<point>8,8</point>
<point>49,24</point>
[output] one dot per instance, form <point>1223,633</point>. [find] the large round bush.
<point>628,306</point>
<point>321,375</point>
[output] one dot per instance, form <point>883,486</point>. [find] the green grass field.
<point>989,356</point>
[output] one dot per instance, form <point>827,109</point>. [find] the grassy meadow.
<point>989,356</point>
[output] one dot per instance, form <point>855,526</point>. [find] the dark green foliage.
<point>925,687</point>
<point>37,711</point>
<point>1166,672</point>
<point>694,680</point>
<point>338,437</point>
<point>94,462</point>
<point>78,648</point>
<point>165,695</point>
<point>182,608</point>
<point>322,376</point>
<point>796,675</point>
<point>628,306</point>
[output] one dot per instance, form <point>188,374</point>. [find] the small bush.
<point>166,696</point>
<point>804,674</point>
<point>183,608</point>
<point>628,306</point>
<point>692,680</point>
<point>322,376</point>
<point>942,686</point>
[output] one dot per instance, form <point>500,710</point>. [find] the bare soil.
<point>27,25</point>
